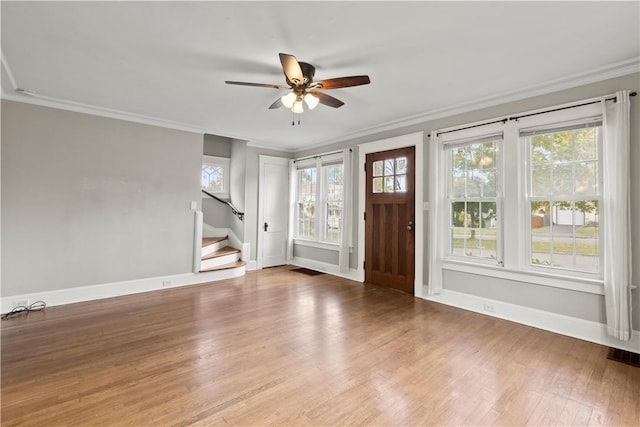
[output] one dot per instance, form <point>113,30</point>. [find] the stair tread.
<point>227,250</point>
<point>225,266</point>
<point>206,241</point>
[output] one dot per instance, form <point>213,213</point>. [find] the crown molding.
<point>610,71</point>
<point>78,107</point>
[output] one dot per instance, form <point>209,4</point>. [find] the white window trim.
<point>317,162</point>
<point>330,246</point>
<point>515,250</point>
<point>225,163</point>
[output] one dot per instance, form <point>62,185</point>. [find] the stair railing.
<point>235,211</point>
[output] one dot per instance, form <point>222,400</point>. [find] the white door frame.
<point>416,140</point>
<point>262,160</point>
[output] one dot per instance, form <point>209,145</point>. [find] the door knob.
<point>410,226</point>
<point>266,226</point>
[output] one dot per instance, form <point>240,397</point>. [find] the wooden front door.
<point>389,219</point>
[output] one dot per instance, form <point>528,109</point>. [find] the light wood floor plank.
<point>280,347</point>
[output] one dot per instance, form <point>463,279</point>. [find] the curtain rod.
<point>320,155</point>
<point>613,98</point>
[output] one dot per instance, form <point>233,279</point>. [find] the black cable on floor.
<point>36,306</point>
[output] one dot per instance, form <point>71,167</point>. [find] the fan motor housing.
<point>308,71</point>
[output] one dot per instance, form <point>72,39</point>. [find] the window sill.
<point>317,244</point>
<point>580,284</point>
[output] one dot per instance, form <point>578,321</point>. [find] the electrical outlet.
<point>20,303</point>
<point>489,308</point>
<point>166,283</point>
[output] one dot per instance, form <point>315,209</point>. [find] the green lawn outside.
<point>538,247</point>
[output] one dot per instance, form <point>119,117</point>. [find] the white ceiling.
<point>167,61</point>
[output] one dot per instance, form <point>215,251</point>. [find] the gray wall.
<point>215,213</point>
<point>89,200</point>
<point>572,303</point>
<point>238,166</point>
<point>215,145</point>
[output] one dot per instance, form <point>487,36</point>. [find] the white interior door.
<point>273,211</point>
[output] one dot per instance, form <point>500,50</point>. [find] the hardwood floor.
<point>279,347</point>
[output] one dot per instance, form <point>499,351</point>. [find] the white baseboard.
<point>558,323</point>
<point>252,265</point>
<point>108,290</point>
<point>324,268</point>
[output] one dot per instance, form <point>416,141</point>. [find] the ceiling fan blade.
<point>344,82</point>
<point>291,68</point>
<point>327,99</point>
<point>276,104</point>
<point>256,84</point>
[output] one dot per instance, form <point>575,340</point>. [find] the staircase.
<point>217,255</point>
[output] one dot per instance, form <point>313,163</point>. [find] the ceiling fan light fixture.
<point>288,99</point>
<point>311,100</point>
<point>298,107</point>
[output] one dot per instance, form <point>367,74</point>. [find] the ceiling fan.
<point>299,77</point>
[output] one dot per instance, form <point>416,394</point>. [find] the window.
<point>524,195</point>
<point>473,198</point>
<point>319,199</point>
<point>563,197</point>
<point>215,175</point>
<point>390,175</point>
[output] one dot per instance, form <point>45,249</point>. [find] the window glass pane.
<point>459,184</point>
<point>307,181</point>
<point>541,148</point>
<point>212,178</point>
<point>307,184</point>
<point>562,179</point>
<point>474,222</point>
<point>474,183</point>
<point>401,183</point>
<point>388,167</point>
<point>489,155</point>
<point>459,158</point>
<point>377,185</point>
<point>334,221</point>
<point>587,236</point>
<point>401,165</point>
<point>306,222</point>
<point>378,168</point>
<point>567,237</point>
<point>586,181</point>
<point>388,184</point>
<point>562,147</point>
<point>334,195</point>
<point>474,229</point>
<point>474,155</point>
<point>334,182</point>
<point>489,183</point>
<point>585,143</point>
<point>540,180</point>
